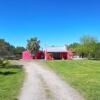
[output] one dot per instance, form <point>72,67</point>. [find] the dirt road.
<point>43,84</point>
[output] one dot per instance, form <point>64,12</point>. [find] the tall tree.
<point>6,50</point>
<point>33,45</point>
<point>97,51</point>
<point>77,48</point>
<point>88,45</point>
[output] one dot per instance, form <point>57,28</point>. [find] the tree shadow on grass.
<point>15,66</point>
<point>7,73</point>
<point>12,66</point>
<point>5,70</point>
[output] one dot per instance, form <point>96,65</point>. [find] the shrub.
<point>4,63</point>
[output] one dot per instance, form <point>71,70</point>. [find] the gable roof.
<point>56,49</point>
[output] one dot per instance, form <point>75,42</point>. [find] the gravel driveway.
<point>43,84</point>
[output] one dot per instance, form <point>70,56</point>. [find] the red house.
<point>57,52</point>
<point>50,53</point>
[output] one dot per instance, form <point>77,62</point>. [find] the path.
<point>43,84</point>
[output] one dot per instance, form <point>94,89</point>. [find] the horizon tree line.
<point>88,47</point>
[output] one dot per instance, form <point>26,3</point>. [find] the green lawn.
<point>10,82</point>
<point>84,75</point>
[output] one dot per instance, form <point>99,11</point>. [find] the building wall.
<point>26,55</point>
<point>45,55</point>
<point>63,55</point>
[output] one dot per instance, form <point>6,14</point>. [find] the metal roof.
<point>56,49</point>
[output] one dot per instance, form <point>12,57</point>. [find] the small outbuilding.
<point>26,55</point>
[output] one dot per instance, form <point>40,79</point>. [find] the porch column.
<point>45,54</point>
<point>61,55</point>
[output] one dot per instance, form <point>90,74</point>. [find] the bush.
<point>4,63</point>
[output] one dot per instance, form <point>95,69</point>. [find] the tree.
<point>33,45</point>
<point>88,45</point>
<point>6,50</point>
<point>19,50</point>
<point>77,48</point>
<point>86,39</point>
<point>97,51</point>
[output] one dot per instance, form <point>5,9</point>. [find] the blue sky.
<point>54,22</point>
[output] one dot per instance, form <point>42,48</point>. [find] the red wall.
<point>26,55</point>
<point>46,55</point>
<point>63,55</point>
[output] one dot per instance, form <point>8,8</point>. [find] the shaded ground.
<point>43,84</point>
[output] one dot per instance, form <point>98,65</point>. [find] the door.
<point>56,55</point>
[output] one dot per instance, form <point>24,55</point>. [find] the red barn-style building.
<point>50,53</point>
<point>57,52</point>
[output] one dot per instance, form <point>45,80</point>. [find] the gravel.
<point>43,84</point>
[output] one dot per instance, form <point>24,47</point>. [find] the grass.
<point>10,82</point>
<point>83,75</point>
